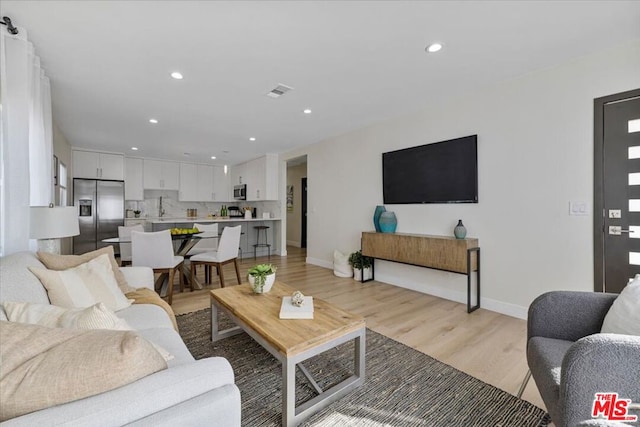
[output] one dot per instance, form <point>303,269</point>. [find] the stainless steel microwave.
<point>240,192</point>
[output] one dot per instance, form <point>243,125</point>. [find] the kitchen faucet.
<point>160,210</point>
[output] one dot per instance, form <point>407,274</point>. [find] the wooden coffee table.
<point>292,341</point>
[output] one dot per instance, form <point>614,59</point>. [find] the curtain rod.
<point>7,21</point>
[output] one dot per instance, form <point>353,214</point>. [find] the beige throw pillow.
<point>65,262</point>
<point>98,316</point>
<point>84,285</point>
<point>44,367</point>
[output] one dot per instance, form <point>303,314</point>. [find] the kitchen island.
<point>247,238</point>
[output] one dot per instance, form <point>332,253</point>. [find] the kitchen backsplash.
<point>173,208</point>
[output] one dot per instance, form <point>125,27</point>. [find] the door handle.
<point>616,230</point>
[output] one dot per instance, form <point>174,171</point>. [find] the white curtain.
<point>26,146</point>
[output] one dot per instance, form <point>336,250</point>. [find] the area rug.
<point>403,387</point>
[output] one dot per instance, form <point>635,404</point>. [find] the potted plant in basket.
<point>261,277</point>
<point>136,213</point>
<point>361,265</point>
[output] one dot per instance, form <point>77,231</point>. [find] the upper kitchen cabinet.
<point>261,177</point>
<point>221,183</point>
<point>133,188</point>
<point>95,165</point>
<point>196,183</point>
<point>161,175</point>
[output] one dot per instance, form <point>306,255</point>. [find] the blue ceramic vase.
<point>388,222</point>
<point>460,231</point>
<point>376,216</point>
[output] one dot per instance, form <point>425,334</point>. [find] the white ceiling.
<point>352,62</point>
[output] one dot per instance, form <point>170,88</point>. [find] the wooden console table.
<point>437,252</point>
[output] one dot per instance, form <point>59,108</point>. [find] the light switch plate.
<point>578,208</point>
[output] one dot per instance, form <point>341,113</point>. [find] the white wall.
<point>535,143</point>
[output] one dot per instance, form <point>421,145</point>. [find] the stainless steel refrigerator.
<point>100,206</point>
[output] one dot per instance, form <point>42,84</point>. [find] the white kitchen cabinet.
<point>262,178</point>
<point>188,182</point>
<point>205,183</point>
<point>161,175</point>
<point>95,165</point>
<point>196,183</point>
<point>238,174</point>
<point>133,188</point>
<point>221,184</point>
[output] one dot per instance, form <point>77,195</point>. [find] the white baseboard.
<point>320,262</point>
<point>501,307</point>
<point>293,243</point>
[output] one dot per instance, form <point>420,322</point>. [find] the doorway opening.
<point>296,204</point>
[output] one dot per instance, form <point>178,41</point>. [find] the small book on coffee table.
<point>290,311</point>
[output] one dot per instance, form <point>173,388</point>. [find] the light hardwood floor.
<point>484,344</point>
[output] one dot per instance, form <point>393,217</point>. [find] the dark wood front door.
<point>617,240</point>
<point>303,231</point>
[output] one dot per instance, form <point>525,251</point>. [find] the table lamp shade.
<point>53,222</point>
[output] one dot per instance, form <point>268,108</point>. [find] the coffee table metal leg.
<point>216,333</point>
<point>288,393</point>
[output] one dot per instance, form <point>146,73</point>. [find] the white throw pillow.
<point>84,285</point>
<point>95,317</point>
<point>341,267</point>
<point>624,315</point>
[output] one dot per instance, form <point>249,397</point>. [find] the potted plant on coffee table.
<point>261,277</point>
<point>361,265</point>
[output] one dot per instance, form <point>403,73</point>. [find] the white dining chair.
<point>155,250</point>
<point>208,240</point>
<point>124,233</point>
<point>227,252</point>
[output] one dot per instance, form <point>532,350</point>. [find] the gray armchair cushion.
<point>545,361</point>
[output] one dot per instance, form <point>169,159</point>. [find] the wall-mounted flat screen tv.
<point>442,172</point>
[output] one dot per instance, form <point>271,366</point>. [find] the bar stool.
<point>266,244</point>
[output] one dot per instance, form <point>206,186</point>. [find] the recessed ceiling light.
<point>252,139</point>
<point>154,121</point>
<point>434,47</point>
<point>307,111</point>
<point>134,148</point>
<point>176,75</point>
<point>213,157</point>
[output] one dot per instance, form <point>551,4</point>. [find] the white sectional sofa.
<point>189,393</point>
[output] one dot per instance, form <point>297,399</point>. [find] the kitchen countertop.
<point>205,219</point>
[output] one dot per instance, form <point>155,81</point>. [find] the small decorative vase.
<point>268,283</point>
<point>388,222</point>
<point>460,231</point>
<point>376,216</point>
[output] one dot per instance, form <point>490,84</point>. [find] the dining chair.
<point>227,252</point>
<point>124,233</point>
<point>155,250</point>
<point>208,242</point>
<point>208,239</point>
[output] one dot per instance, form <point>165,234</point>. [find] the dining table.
<point>184,243</point>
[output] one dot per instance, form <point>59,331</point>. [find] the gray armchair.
<point>570,360</point>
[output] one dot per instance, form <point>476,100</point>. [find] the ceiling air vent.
<point>279,90</point>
